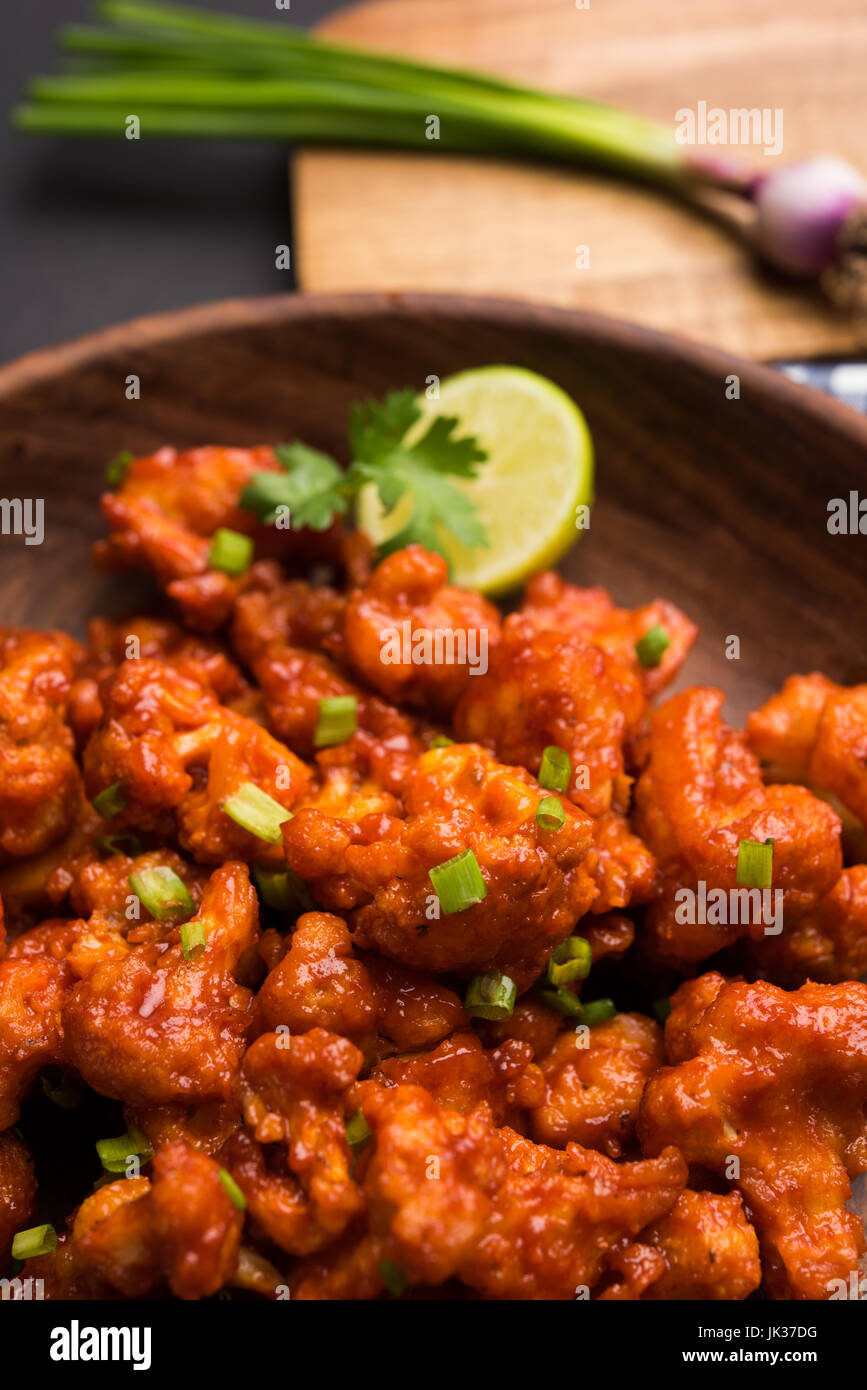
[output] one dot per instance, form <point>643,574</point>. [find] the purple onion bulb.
<point>801,211</point>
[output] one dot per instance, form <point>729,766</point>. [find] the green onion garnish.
<point>358,1131</point>
<point>110,800</point>
<point>396,1283</point>
<point>123,843</point>
<point>571,961</point>
<point>337,721</point>
<point>284,890</point>
<point>162,892</point>
<point>561,1000</point>
<point>193,940</point>
<point>441,741</point>
<point>556,769</point>
<point>458,883</point>
<point>256,811</point>
<point>61,1088</point>
<point>231,551</point>
<point>118,467</point>
<point>661,1008</point>
<point>599,1011</point>
<point>115,1154</point>
<point>38,1240</point>
<point>550,814</point>
<point>233,1191</point>
<point>755,864</point>
<point>651,647</point>
<point>491,996</point>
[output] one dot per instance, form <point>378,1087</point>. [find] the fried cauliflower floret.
<point>293,1163</point>
<point>323,982</point>
<point>461,1074</point>
<point>39,780</point>
<point>704,1248</point>
<point>545,688</point>
<point>828,944</point>
<point>452,1196</point>
<point>767,1089</point>
<point>458,798</point>
<point>152,1027</point>
<point>699,796</point>
<point>408,597</point>
<point>178,754</point>
<point>619,865</point>
<point>550,604</point>
<point>290,612</point>
<point>35,980</point>
<point>594,1081</point>
<point>17,1192</point>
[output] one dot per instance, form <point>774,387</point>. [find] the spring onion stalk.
<point>283,890</point>
<point>193,940</point>
<point>38,1240</point>
<point>110,801</point>
<point>256,811</point>
<point>458,882</point>
<point>114,1154</point>
<point>358,1131</point>
<point>651,648</point>
<point>556,769</point>
<point>230,551</point>
<point>755,866</point>
<point>491,996</point>
<point>571,961</point>
<point>162,892</point>
<point>550,813</point>
<point>599,1011</point>
<point>337,720</point>
<point>232,1190</point>
<point>185,72</point>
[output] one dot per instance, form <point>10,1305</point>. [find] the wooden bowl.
<point>718,504</point>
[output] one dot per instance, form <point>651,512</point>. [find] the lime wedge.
<point>529,491</point>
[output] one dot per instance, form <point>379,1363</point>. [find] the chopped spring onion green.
<point>441,741</point>
<point>115,1154</point>
<point>358,1131</point>
<point>337,721</point>
<point>458,883</point>
<point>193,940</point>
<point>550,814</point>
<point>571,961</point>
<point>563,1001</point>
<point>231,551</point>
<point>233,1191</point>
<point>162,892</point>
<point>38,1240</point>
<point>556,769</point>
<point>651,647</point>
<point>491,996</point>
<point>256,811</point>
<point>284,890</point>
<point>599,1011</point>
<point>755,864</point>
<point>61,1088</point>
<point>124,843</point>
<point>116,469</point>
<point>661,1008</point>
<point>396,1283</point>
<point>110,800</point>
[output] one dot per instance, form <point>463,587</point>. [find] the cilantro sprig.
<point>315,489</point>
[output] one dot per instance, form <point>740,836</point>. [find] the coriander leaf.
<point>374,430</point>
<point>437,449</point>
<point>312,487</point>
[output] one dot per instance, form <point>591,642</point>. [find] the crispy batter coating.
<point>619,865</point>
<point>409,593</point>
<point>151,1027</point>
<point>827,944</point>
<point>552,604</point>
<point>17,1191</point>
<point>323,982</point>
<point>594,1081</point>
<point>39,779</point>
<point>458,799</point>
<point>699,796</point>
<point>460,1074</point>
<point>35,980</point>
<point>767,1089</point>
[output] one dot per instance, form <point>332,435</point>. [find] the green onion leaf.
<point>284,890</point>
<point>571,961</point>
<point>123,843</point>
<point>358,1131</point>
<point>115,1154</point>
<point>38,1240</point>
<point>118,467</point>
<point>233,1191</point>
<point>755,867</point>
<point>337,721</point>
<point>110,800</point>
<point>458,883</point>
<point>599,1011</point>
<point>442,741</point>
<point>162,892</point>
<point>491,996</point>
<point>256,811</point>
<point>651,647</point>
<point>563,1001</point>
<point>193,940</point>
<point>396,1283</point>
<point>556,769</point>
<point>61,1088</point>
<point>550,813</point>
<point>230,551</point>
<point>661,1008</point>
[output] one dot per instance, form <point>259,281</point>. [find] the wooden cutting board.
<point>374,220</point>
